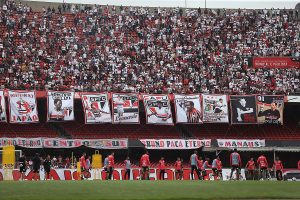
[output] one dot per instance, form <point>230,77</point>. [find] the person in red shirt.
<point>263,166</point>
<point>250,166</point>
<point>145,163</point>
<point>82,165</point>
<point>178,169</point>
<point>111,165</point>
<point>200,166</point>
<point>162,168</point>
<point>278,168</point>
<point>219,168</point>
<point>299,164</point>
<point>236,163</point>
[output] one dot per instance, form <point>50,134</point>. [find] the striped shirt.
<point>193,116</point>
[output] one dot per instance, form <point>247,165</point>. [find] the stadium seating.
<point>27,130</point>
<point>226,131</point>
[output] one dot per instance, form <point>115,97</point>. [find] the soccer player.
<point>145,163</point>
<point>194,165</point>
<point>36,166</point>
<point>47,167</point>
<point>127,168</point>
<point>193,115</point>
<point>161,112</point>
<point>219,168</point>
<point>263,166</point>
<point>178,169</point>
<point>219,106</point>
<point>162,168</point>
<point>250,166</point>
<point>120,106</point>
<point>214,167</point>
<point>57,114</point>
<point>106,167</point>
<point>111,165</point>
<point>88,163</point>
<point>82,165</point>
<point>236,163</point>
<point>205,166</point>
<point>96,112</point>
<point>200,166</point>
<point>278,168</point>
<point>22,165</point>
<point>271,115</point>
<point>241,110</point>
<point>299,164</point>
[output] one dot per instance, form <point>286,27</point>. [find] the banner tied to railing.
<point>65,143</point>
<point>175,143</point>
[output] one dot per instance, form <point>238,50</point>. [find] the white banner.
<point>158,109</point>
<point>215,108</point>
<point>2,107</point>
<point>22,105</point>
<point>232,143</point>
<point>96,108</point>
<point>293,99</point>
<point>92,143</point>
<point>188,109</point>
<point>125,108</point>
<point>60,106</point>
<point>22,142</point>
<point>175,144</point>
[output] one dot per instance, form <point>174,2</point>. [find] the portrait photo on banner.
<point>215,108</point>
<point>125,108</point>
<point>60,106</point>
<point>96,108</point>
<point>158,109</point>
<point>243,109</point>
<point>270,109</point>
<point>188,109</point>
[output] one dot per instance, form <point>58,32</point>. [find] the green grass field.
<point>73,190</point>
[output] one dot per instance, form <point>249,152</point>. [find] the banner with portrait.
<point>60,106</point>
<point>96,108</point>
<point>2,107</point>
<point>125,108</point>
<point>22,107</point>
<point>188,109</point>
<point>158,109</point>
<point>270,109</point>
<point>215,108</point>
<point>243,109</point>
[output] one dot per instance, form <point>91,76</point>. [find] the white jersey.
<point>119,103</point>
<point>220,106</point>
<point>57,114</point>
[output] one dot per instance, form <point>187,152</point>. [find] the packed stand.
<point>100,48</point>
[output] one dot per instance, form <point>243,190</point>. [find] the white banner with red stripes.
<point>60,106</point>
<point>22,107</point>
<point>175,143</point>
<point>188,108</point>
<point>158,109</point>
<point>96,108</point>
<point>2,107</point>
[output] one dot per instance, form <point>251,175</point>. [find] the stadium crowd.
<point>145,50</point>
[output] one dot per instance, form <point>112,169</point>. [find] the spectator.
<point>165,51</point>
